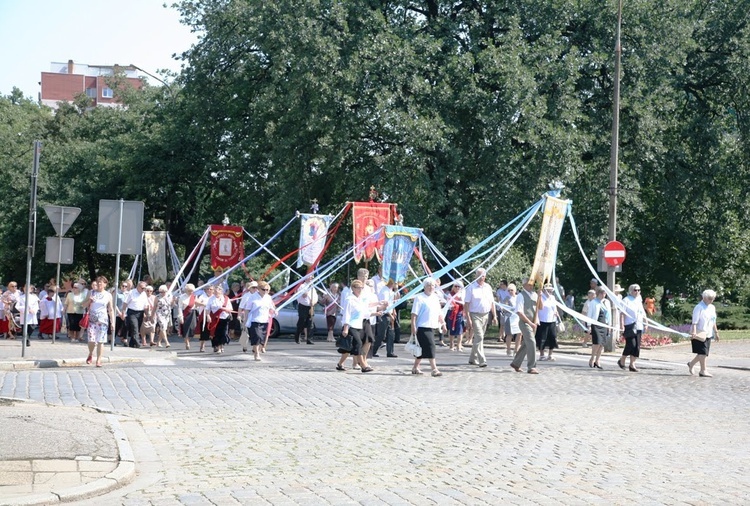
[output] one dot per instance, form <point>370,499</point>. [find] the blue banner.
<point>397,251</point>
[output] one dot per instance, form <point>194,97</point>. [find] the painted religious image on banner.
<point>398,250</point>
<point>555,211</point>
<point>313,232</point>
<point>227,246</point>
<point>368,217</point>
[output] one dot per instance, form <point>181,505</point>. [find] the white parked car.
<point>286,322</point>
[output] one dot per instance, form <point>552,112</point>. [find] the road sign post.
<point>614,253</point>
<point>62,218</point>
<point>120,231</point>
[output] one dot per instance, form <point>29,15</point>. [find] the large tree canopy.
<point>461,111</point>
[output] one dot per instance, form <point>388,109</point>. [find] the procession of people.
<point>528,318</point>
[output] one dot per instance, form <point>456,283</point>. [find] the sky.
<point>34,33</point>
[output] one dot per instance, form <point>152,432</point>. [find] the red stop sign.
<point>614,253</point>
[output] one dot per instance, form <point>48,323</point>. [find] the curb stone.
<point>122,475</point>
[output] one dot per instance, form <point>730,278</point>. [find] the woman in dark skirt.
<point>546,331</point>
<point>598,311</point>
<point>356,310</point>
<point>220,309</point>
<point>203,316</point>
<point>188,314</point>
<point>426,316</point>
<point>633,325</point>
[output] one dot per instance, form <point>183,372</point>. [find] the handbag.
<point>84,324</point>
<point>344,343</point>
<point>560,326</point>
<point>412,346</point>
<point>700,336</point>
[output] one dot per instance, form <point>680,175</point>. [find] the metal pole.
<point>614,155</point>
<point>59,261</point>
<point>31,243</point>
<point>117,274</point>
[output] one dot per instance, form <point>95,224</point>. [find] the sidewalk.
<point>734,354</point>
<point>43,461</point>
<point>63,353</point>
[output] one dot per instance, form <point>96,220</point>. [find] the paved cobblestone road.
<point>291,430</point>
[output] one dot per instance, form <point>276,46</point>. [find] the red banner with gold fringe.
<point>367,218</point>
<point>227,246</point>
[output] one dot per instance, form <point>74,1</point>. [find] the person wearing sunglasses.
<point>633,325</point>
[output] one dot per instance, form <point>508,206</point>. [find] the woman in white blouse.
<point>546,331</point>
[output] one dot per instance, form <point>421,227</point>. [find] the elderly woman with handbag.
<point>356,310</point>
<point>101,316</point>
<point>426,316</point>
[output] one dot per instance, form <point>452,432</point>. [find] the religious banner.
<point>312,237</point>
<point>367,218</point>
<point>227,246</point>
<point>555,211</point>
<point>397,251</point>
<point>156,254</point>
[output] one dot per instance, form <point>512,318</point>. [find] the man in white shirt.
<point>386,296</point>
<point>704,326</point>
<point>480,304</point>
<point>306,310</point>
<point>132,313</point>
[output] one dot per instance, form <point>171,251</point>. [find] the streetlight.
<point>167,85</point>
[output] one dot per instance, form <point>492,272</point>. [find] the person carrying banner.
<point>526,311</point>
<point>306,310</point>
<point>703,326</point>
<point>600,312</point>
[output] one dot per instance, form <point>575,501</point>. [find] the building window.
<point>107,93</point>
<point>91,92</point>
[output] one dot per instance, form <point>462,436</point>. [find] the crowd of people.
<point>137,315</point>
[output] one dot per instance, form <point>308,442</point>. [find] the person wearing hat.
<point>480,303</point>
<point>250,294</point>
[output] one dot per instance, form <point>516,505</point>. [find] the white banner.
<point>549,237</point>
<point>312,237</point>
<point>156,254</point>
